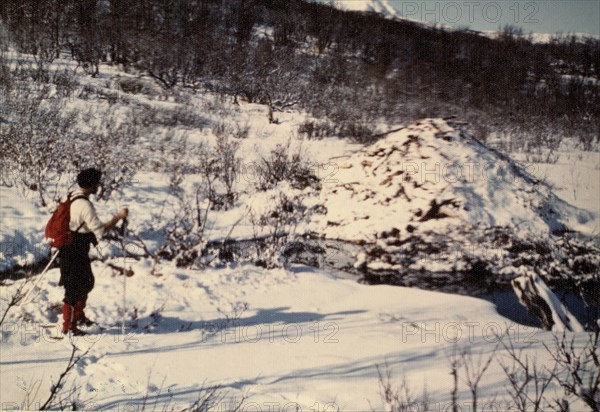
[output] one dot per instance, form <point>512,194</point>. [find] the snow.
<point>384,7</point>
<point>398,178</point>
<point>305,337</point>
<point>562,319</point>
<point>22,222</point>
<point>295,336</point>
<point>574,177</point>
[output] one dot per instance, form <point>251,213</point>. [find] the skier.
<point>75,266</point>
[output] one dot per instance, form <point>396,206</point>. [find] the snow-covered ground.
<point>574,177</point>
<point>283,338</point>
<point>294,337</point>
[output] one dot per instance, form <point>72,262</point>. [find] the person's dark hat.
<point>89,178</point>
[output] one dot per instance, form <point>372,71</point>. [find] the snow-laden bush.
<point>233,129</point>
<point>275,229</point>
<point>5,74</point>
<point>317,129</point>
<point>184,238</point>
<point>577,370</point>
<point>399,397</point>
<point>151,117</point>
<point>571,377</point>
<point>34,139</point>
<point>113,150</point>
<point>42,148</point>
<point>226,171</point>
<point>65,82</point>
<point>283,164</point>
<point>218,169</point>
<point>211,172</point>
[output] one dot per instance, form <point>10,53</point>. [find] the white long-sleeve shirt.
<point>83,211</point>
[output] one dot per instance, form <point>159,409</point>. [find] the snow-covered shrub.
<point>399,397</point>
<point>227,170</point>
<point>211,398</point>
<point>577,369</point>
<point>26,70</point>
<point>5,77</point>
<point>217,168</point>
<point>113,150</point>
<point>65,83</point>
<point>34,139</point>
<point>6,80</point>
<point>284,165</point>
<point>316,129</point>
<point>184,116</point>
<point>587,140</point>
<point>527,379</point>
<point>275,228</point>
<point>131,85</point>
<point>360,132</point>
<point>184,238</point>
<point>181,116</point>
<point>40,144</point>
<point>233,129</point>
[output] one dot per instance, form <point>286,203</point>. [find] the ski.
<point>49,335</point>
<point>91,330</point>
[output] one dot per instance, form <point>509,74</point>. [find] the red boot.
<point>67,312</point>
<point>78,311</point>
<point>69,321</point>
<point>79,316</point>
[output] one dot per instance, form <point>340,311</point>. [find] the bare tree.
<point>474,368</point>
<point>15,299</point>
<point>527,380</point>
<point>455,361</point>
<point>399,397</point>
<point>578,370</point>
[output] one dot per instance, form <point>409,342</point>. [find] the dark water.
<point>338,257</point>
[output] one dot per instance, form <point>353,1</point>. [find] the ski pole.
<point>123,231</point>
<point>123,228</point>
<point>124,303</point>
<point>123,308</point>
<point>40,277</point>
<point>124,294</point>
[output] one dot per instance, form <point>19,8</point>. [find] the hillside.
<point>353,68</point>
<point>295,336</point>
<point>325,217</point>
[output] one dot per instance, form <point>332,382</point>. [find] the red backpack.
<point>57,230</point>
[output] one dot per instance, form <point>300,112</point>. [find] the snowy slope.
<point>283,338</point>
<point>298,338</point>
<point>384,7</point>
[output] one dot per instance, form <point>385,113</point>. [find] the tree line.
<point>351,67</point>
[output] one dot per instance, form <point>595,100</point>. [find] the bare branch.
<point>58,386</point>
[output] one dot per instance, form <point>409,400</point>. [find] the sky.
<point>545,16</point>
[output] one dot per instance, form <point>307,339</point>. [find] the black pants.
<point>76,269</point>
